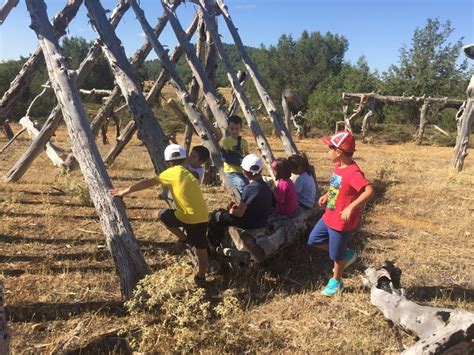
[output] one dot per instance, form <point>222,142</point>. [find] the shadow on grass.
<point>429,293</point>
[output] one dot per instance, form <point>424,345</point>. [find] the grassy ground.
<point>62,293</point>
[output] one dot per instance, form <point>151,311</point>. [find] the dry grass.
<point>62,293</point>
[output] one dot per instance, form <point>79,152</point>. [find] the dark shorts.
<point>195,233</point>
<point>322,234</point>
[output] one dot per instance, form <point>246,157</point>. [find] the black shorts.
<point>195,233</point>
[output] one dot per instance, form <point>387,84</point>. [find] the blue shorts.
<point>322,234</point>
<point>238,180</point>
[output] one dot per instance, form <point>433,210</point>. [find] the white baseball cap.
<point>174,152</point>
<point>252,163</point>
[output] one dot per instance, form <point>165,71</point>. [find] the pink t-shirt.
<point>286,197</point>
<point>345,186</point>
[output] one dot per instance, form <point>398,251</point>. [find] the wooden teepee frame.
<point>127,256</point>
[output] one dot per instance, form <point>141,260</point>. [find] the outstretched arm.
<point>142,185</point>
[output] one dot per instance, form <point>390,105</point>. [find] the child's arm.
<point>324,199</point>
<point>364,197</point>
<point>142,185</point>
<point>238,210</point>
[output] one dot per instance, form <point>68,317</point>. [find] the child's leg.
<point>219,221</point>
<point>319,237</point>
<point>238,180</point>
<point>337,250</point>
<point>203,262</point>
<point>196,234</point>
<point>169,220</point>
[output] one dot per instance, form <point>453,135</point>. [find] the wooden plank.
<point>129,261</point>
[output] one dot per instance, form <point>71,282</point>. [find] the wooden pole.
<point>129,261</point>
<point>418,100</point>
<point>252,121</point>
<point>6,8</point>
<point>234,104</point>
<point>465,125</point>
<point>148,127</point>
<point>31,66</point>
<point>189,130</point>
<point>281,130</point>
<point>366,123</point>
<point>12,140</point>
<point>183,95</point>
<point>423,121</point>
<point>7,130</point>
<point>52,123</point>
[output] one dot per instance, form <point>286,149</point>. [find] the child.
<point>349,190</point>
<point>197,157</point>
<point>191,210</point>
<point>305,182</point>
<point>234,148</point>
<point>254,208</point>
<point>285,193</point>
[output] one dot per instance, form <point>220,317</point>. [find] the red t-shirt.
<point>346,185</point>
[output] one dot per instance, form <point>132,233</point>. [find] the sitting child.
<point>285,193</point>
<point>305,182</point>
<point>191,210</point>
<point>254,208</point>
<point>234,148</point>
<point>197,157</point>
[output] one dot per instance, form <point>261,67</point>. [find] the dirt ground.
<point>62,294</point>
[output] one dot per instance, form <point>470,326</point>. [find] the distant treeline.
<point>314,65</point>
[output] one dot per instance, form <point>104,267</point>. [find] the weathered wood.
<point>274,115</point>
<point>208,90</point>
<point>423,121</point>
<point>286,111</point>
<point>417,100</point>
<point>4,334</point>
<point>234,104</point>
<point>262,143</point>
<point>183,95</point>
<point>129,261</point>
<point>465,124</point>
<point>151,98</point>
<point>366,124</point>
<point>442,131</point>
<point>6,8</point>
<point>439,329</point>
<point>183,118</point>
<point>7,130</point>
<point>54,118</point>
<point>31,66</point>
<point>17,134</point>
<point>148,127</point>
<point>96,92</point>
<point>281,231</point>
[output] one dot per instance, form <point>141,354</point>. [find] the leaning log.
<point>189,108</point>
<point>234,104</point>
<point>274,115</point>
<point>6,8</point>
<point>129,261</point>
<point>465,124</point>
<point>281,231</point>
<point>31,66</point>
<point>54,118</point>
<point>440,330</point>
<point>183,118</point>
<point>262,143</point>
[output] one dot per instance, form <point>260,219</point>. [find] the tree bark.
<point>286,112</point>
<point>151,98</point>
<point>234,104</point>
<point>423,121</point>
<point>183,95</point>
<point>465,124</point>
<point>31,66</point>
<point>281,130</point>
<point>129,261</point>
<point>262,143</point>
<point>148,127</point>
<point>439,330</point>
<point>6,8</point>
<point>54,119</point>
<point>366,124</point>
<point>417,100</point>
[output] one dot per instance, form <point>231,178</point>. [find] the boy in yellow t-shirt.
<point>234,148</point>
<point>191,211</point>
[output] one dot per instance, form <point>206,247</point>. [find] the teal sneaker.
<point>351,256</point>
<point>333,287</point>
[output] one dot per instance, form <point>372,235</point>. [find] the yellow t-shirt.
<point>230,144</point>
<point>190,205</point>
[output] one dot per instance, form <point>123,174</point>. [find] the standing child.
<point>191,210</point>
<point>349,190</point>
<point>285,193</point>
<point>305,182</point>
<point>234,148</point>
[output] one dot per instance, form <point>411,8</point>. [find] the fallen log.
<point>439,330</point>
<point>281,231</point>
<point>417,100</point>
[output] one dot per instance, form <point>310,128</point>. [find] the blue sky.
<point>374,28</point>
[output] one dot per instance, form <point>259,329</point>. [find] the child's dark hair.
<point>176,162</point>
<point>202,152</point>
<point>235,120</point>
<point>282,168</point>
<point>299,162</point>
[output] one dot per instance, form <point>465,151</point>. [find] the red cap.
<point>341,140</point>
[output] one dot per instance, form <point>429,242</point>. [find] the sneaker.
<point>351,256</point>
<point>333,287</point>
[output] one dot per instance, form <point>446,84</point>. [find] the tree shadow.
<point>429,293</point>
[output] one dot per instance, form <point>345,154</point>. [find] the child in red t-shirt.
<point>349,190</point>
<point>285,192</point>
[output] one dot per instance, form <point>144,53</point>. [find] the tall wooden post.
<point>129,261</point>
<point>423,120</point>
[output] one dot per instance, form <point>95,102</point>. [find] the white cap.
<point>252,164</point>
<point>174,152</point>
